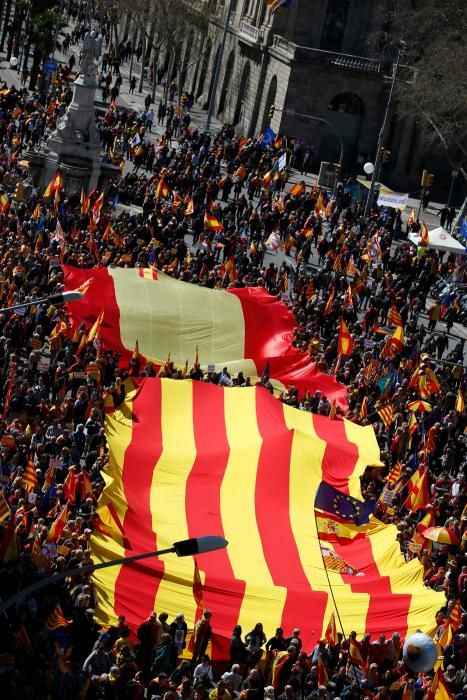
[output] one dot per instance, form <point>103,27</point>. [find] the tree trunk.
<point>27,50</point>
<point>6,22</point>
<point>133,49</point>
<point>35,68</point>
<point>126,29</point>
<point>143,55</point>
<point>154,75</point>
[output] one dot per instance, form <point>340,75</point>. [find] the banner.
<point>395,200</point>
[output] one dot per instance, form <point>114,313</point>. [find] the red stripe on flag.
<point>263,313</point>
<point>269,327</point>
<point>222,592</point>
<point>283,562</point>
<point>89,308</point>
<point>387,611</point>
<point>136,585</point>
<point>340,455</point>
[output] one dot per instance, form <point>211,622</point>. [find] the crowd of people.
<point>198,204</point>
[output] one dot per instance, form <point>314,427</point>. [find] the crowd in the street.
<point>191,205</point>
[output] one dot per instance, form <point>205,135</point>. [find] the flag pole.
<point>327,575</point>
<point>332,592</point>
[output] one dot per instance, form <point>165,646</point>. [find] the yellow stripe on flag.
<point>405,577</point>
<point>305,476</point>
<point>368,453</point>
<point>118,428</point>
<point>168,497</point>
<point>169,316</point>
<point>240,527</point>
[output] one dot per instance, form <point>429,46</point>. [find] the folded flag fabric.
<point>331,500</point>
<point>239,328</point>
<point>188,458</point>
<point>334,562</point>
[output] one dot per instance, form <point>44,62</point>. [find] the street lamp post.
<point>62,298</point>
<point>454,175</point>
<point>375,176</point>
<point>217,68</point>
<point>184,548</point>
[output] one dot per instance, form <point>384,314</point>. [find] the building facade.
<point>311,58</point>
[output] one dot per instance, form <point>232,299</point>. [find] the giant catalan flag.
<point>242,329</point>
<point>189,459</point>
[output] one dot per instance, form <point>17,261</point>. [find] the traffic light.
<point>427,178</point>
<point>272,109</point>
<point>385,155</point>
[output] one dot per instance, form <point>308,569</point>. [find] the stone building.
<point>311,58</point>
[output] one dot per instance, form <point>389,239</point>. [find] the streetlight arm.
<point>292,113</point>
<point>62,298</point>
<point>185,548</point>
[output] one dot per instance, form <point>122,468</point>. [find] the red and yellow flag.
<point>57,619</point>
<point>345,343</point>
<point>331,631</point>
<point>239,328</point>
<point>162,191</point>
<point>438,689</point>
<point>394,316</point>
<point>230,268</point>
<point>223,442</point>
<point>4,508</point>
<point>396,342</point>
<point>319,206</point>
<point>460,402</point>
<point>190,207</point>
<point>419,495</point>
<point>212,223</point>
<point>55,185</point>
<point>29,480</point>
<point>424,239</point>
<point>58,525</point>
<point>327,308</point>
<point>298,189</point>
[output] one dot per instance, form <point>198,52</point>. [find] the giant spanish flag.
<point>242,329</point>
<point>189,459</point>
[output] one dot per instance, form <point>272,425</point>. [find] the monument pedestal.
<point>75,147</point>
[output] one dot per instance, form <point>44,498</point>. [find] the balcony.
<point>249,31</point>
<point>328,58</point>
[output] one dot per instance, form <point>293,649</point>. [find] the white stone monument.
<point>75,146</point>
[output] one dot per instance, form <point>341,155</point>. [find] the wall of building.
<point>263,64</point>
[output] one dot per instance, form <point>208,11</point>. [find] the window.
<point>335,23</point>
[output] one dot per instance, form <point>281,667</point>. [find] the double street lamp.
<point>184,548</point>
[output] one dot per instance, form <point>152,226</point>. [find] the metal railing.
<point>329,58</point>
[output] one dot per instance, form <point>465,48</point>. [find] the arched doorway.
<point>204,68</point>
<point>226,83</point>
<point>270,100</point>
<point>347,103</point>
<point>242,95</point>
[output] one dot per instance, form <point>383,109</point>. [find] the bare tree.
<point>435,33</point>
<point>163,27</point>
